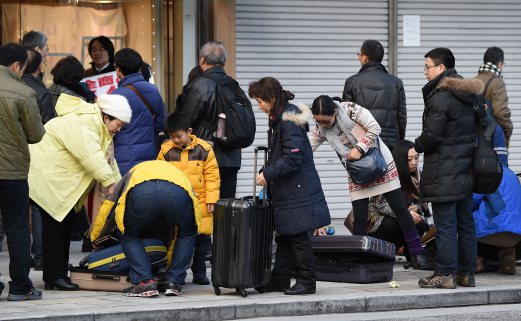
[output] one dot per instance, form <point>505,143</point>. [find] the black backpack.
<point>487,169</point>
<point>239,124</point>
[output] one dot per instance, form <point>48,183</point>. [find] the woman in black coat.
<point>294,187</point>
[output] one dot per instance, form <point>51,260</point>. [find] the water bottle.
<point>330,230</point>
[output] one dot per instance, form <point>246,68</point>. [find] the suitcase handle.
<point>264,192</point>
<point>106,277</point>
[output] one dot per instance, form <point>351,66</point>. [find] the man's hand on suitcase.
<point>261,181</point>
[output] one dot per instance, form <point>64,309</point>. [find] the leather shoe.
<point>64,284</point>
<point>422,262</point>
<point>299,289</point>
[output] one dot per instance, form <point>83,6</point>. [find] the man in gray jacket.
<point>378,91</point>
<point>20,125</point>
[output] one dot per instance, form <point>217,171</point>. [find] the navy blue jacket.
<point>136,142</point>
<point>295,189</point>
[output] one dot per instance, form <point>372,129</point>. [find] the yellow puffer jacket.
<point>71,155</point>
<point>199,164</point>
<point>140,173</point>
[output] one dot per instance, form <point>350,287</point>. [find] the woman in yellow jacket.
<point>64,165</point>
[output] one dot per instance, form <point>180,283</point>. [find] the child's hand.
<point>210,208</point>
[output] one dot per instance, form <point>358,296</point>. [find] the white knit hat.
<point>116,106</point>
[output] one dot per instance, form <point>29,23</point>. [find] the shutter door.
<point>310,47</point>
<point>468,28</point>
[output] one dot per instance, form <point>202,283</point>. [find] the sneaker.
<point>438,281</point>
<point>200,279</point>
<point>507,258</point>
<point>32,294</point>
<point>142,289</point>
<point>173,289</point>
<point>422,261</point>
<point>465,279</point>
<point>2,287</point>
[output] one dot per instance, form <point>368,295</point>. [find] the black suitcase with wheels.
<point>242,241</point>
<point>353,259</point>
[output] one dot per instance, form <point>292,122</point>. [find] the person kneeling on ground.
<point>148,191</point>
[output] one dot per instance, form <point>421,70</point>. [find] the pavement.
<point>199,302</point>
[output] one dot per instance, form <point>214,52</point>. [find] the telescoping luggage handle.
<point>264,196</point>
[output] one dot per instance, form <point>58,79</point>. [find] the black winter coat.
<point>198,102</point>
<point>45,104</point>
<point>295,189</point>
<point>383,95</point>
<point>448,137</point>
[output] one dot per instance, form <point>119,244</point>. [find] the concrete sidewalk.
<point>200,303</point>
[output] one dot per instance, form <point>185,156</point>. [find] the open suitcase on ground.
<point>107,269</point>
<point>242,241</point>
<point>353,259</point>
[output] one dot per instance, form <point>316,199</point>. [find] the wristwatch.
<point>360,149</point>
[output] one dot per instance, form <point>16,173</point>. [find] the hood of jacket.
<point>299,114</point>
<point>68,104</point>
<point>450,80</point>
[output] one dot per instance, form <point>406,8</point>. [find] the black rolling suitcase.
<point>242,241</point>
<point>353,259</point>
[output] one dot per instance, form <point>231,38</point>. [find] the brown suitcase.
<point>99,281</point>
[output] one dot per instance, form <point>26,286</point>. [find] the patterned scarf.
<point>339,136</point>
<point>490,67</point>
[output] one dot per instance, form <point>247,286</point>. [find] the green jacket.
<point>20,124</point>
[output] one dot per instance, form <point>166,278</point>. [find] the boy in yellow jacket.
<point>195,157</point>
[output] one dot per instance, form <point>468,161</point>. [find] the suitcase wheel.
<point>242,292</point>
<point>217,290</point>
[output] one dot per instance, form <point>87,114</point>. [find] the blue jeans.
<point>455,237</point>
<point>145,203</point>
<point>36,230</point>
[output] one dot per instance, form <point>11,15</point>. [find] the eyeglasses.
<point>428,67</point>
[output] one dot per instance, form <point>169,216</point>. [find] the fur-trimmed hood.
<point>464,89</point>
<point>299,114</point>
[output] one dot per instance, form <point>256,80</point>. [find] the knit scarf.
<point>341,131</point>
<point>490,67</point>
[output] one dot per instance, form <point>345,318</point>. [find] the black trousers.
<point>203,245</point>
<point>228,181</point>
<point>56,241</point>
<point>14,208</point>
<point>294,255</point>
<point>397,204</point>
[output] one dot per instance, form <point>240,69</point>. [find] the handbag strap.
<point>143,99</point>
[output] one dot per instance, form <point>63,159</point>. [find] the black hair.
<point>34,39</point>
<point>34,60</point>
<point>146,71</point>
<point>106,44</point>
<point>177,121</point>
<point>111,118</point>
<point>442,56</point>
<point>128,61</point>
<point>373,50</point>
<point>11,53</point>
<point>68,72</point>
<point>324,105</point>
<point>268,89</point>
<point>401,158</point>
<point>494,55</point>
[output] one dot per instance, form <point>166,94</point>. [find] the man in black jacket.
<point>378,91</point>
<point>32,78</point>
<point>198,103</point>
<point>448,138</point>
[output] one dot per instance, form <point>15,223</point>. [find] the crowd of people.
<point>62,143</point>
